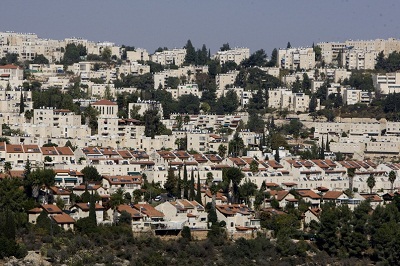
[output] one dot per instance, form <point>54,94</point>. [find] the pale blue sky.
<point>255,24</point>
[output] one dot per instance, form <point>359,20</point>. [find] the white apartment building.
<point>132,68</point>
<point>236,55</point>
<point>283,98</point>
<point>359,59</point>
<point>387,83</point>
<point>146,105</point>
<point>224,80</point>
<point>370,129</point>
<point>55,117</point>
<point>186,72</point>
<point>330,50</point>
<point>273,71</point>
<point>42,70</point>
<point>11,72</point>
<point>10,100</point>
<point>169,57</point>
<point>293,58</point>
<point>392,128</point>
<point>185,90</point>
<point>352,96</point>
<point>139,54</point>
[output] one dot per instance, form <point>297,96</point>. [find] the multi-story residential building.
<point>55,117</point>
<point>184,212</point>
<point>11,72</point>
<point>184,73</point>
<point>146,105</point>
<point>226,79</point>
<point>331,50</point>
<point>236,55</point>
<point>359,59</point>
<point>283,98</point>
<point>107,119</point>
<point>185,90</point>
<point>127,183</point>
<point>169,57</point>
<point>139,54</point>
<point>353,96</point>
<point>387,83</point>
<point>296,58</point>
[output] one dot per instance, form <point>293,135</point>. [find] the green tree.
<point>21,103</point>
<point>40,59</point>
<point>258,58</point>
<point>236,146</point>
<point>233,175</point>
<point>7,168</point>
<point>392,178</point>
<point>256,123</point>
<point>117,198</point>
<point>225,47</point>
<point>171,183</point>
<point>198,190</point>
<point>191,188</point>
<point>92,211</point>
<point>254,166</point>
<point>186,234</point>
<point>222,150</point>
<point>90,173</point>
<point>125,219</point>
<point>247,189</point>
<point>73,53</point>
<point>351,172</point>
<point>90,117</point>
<point>273,62</point>
<point>106,54</point>
<point>190,57</point>
<point>185,183</point>
<point>277,156</point>
<point>371,182</point>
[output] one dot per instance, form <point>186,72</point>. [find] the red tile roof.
<point>332,194</point>
<point>104,102</point>
<point>148,210</point>
<point>63,219</point>
<point>51,209</point>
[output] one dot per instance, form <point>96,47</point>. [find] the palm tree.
<point>392,178</point>
<point>371,182</point>
<point>7,168</point>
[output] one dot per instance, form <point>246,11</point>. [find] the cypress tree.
<point>322,150</point>
<point>277,155</point>
<point>185,183</point>
<point>21,103</point>
<point>92,211</point>
<point>178,193</point>
<point>191,190</point>
<point>198,192</point>
<point>328,148</point>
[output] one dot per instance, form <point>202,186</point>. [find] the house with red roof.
<point>81,210</point>
<point>184,212</point>
<point>311,214</point>
<point>11,72</point>
<point>128,183</point>
<point>50,209</point>
<point>238,218</point>
<point>284,197</point>
<point>65,221</point>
